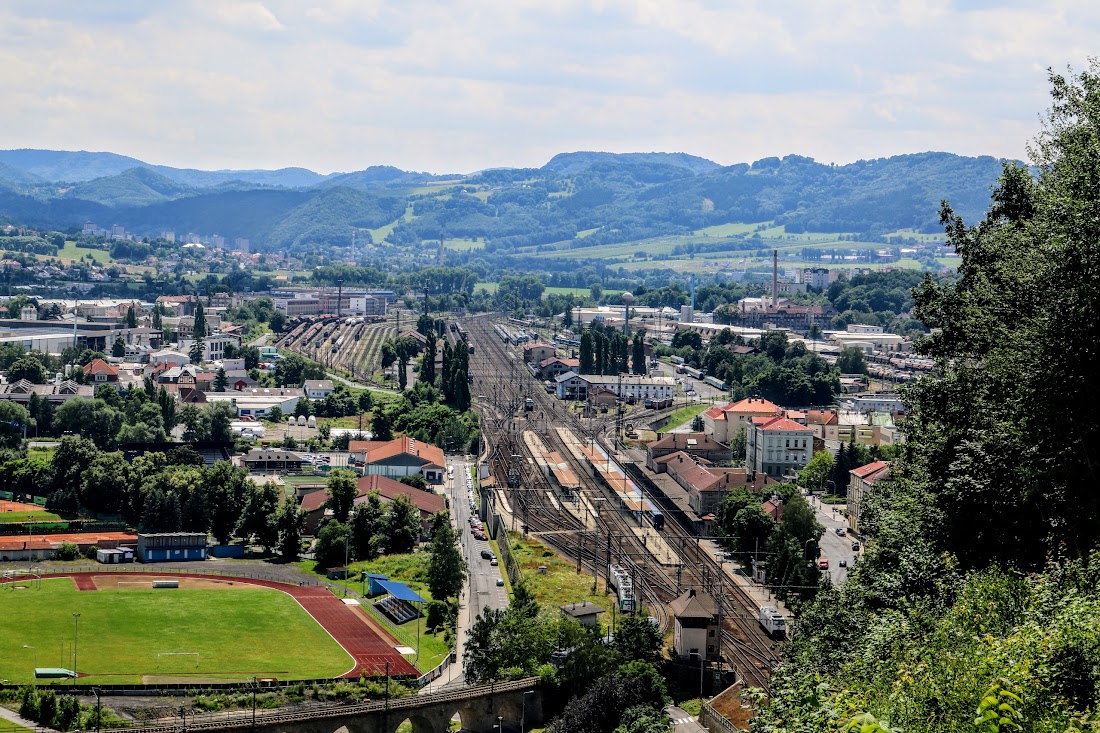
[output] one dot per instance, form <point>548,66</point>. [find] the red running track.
<point>369,650</point>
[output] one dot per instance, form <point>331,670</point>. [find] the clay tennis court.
<point>17,506</point>
<point>368,646</point>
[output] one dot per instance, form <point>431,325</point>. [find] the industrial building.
<point>171,546</point>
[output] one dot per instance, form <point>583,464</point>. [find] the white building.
<point>318,389</point>
<point>576,386</point>
<point>258,402</point>
<point>695,634</point>
<point>367,305</point>
<point>213,345</point>
<point>875,403</point>
<point>778,446</point>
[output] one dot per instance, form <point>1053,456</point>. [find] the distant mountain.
<point>78,167</point>
<point>14,178</point>
<point>570,164</point>
<point>610,198</point>
<point>134,187</point>
<point>373,177</point>
<point>68,166</point>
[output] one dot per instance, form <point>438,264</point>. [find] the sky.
<point>461,85</point>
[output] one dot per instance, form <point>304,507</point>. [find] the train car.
<point>652,404</point>
<point>655,516</point>
<point>623,585</point>
<point>676,359</point>
<point>716,383</point>
<point>695,373</point>
<point>528,405</point>
<point>772,621</point>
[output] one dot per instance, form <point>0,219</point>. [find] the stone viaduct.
<point>479,709</point>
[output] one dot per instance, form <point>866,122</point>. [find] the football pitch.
<point>130,633</point>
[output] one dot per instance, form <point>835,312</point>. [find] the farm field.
<point>232,629</point>
<point>72,252</point>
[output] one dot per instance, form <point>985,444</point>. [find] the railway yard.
<point>555,475</point>
<point>352,345</point>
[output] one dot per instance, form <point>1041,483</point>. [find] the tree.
<point>341,490</point>
<point>637,355</point>
<point>277,322</point>
<point>814,475</point>
<point>221,381</point>
<point>333,545</point>
<point>220,416</point>
<point>289,521</point>
<point>427,365</point>
<point>697,424</point>
<point>368,526</point>
<point>29,368</point>
<point>446,568</point>
<point>131,317</point>
<point>274,415</point>
<point>258,517</point>
<point>381,426</point>
<point>92,419</point>
<point>197,352</point>
<point>636,638</point>
<point>14,419</point>
<point>685,337</point>
<point>104,482</point>
<point>226,487</point>
<point>118,348</point>
<point>851,361</point>
<point>158,324</point>
<point>425,325</point>
<point>402,525</point>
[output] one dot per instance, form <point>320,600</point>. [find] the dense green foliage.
<point>939,625</point>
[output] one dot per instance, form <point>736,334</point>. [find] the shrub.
<point>47,708</point>
<point>29,707</point>
<point>66,551</point>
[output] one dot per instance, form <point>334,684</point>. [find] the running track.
<point>369,650</point>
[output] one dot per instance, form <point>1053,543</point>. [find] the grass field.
<point>238,632</point>
<point>29,516</point>
<point>72,252</point>
<point>561,584</point>
<point>683,415</point>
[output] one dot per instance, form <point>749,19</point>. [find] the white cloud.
<point>453,85</point>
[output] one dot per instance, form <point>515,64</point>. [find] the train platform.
<point>655,543</point>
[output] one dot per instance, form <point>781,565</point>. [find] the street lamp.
<point>76,642</point>
<point>34,673</point>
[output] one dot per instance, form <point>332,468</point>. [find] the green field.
<point>72,252</point>
<point>238,632</point>
<point>561,584</point>
<point>683,415</point>
<point>16,517</point>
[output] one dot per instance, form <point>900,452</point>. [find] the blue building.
<point>171,546</point>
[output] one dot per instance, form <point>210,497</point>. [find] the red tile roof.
<point>426,501</point>
<point>429,454</point>
<point>96,366</point>
<point>872,471</point>
<point>778,423</point>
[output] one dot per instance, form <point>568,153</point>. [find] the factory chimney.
<point>775,279</point>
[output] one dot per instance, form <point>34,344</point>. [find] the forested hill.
<point>576,200</point>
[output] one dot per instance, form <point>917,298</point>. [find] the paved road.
<point>833,546</point>
<point>682,722</point>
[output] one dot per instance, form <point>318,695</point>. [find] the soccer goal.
<point>183,656</point>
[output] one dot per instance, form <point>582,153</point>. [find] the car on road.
<point>823,563</point>
<point>494,562</point>
<point>500,582</point>
<point>843,563</point>
<point>840,531</point>
<point>855,545</point>
<point>486,554</point>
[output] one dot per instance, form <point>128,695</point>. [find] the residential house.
<point>99,372</point>
<point>862,480</point>
<point>538,353</point>
<point>555,366</point>
<point>318,389</point>
<point>427,502</point>
<point>777,446</point>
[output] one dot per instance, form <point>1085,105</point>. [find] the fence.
<point>714,721</point>
<point>161,569</point>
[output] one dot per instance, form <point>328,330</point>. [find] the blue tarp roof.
<point>400,591</point>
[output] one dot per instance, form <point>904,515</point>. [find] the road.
<point>682,722</point>
<point>481,589</point>
<point>834,546</point>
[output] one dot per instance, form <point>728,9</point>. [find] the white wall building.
<point>778,446</point>
<point>576,386</point>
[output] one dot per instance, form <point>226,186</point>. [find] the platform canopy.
<point>400,591</point>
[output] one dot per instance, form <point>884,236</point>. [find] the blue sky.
<point>454,86</point>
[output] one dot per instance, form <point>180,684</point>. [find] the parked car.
<point>855,546</point>
<point>840,531</point>
<point>823,563</point>
<point>486,554</point>
<point>500,582</point>
<point>494,562</point>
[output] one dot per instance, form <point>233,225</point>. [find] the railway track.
<point>505,384</point>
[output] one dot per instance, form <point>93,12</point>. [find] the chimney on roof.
<point>691,593</point>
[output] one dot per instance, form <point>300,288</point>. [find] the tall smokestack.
<point>775,278</point>
<point>693,292</point>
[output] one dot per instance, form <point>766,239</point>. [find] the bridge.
<point>479,709</point>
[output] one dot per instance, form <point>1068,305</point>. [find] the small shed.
<point>584,612</point>
<point>374,583</point>
<point>336,573</point>
<point>114,557</point>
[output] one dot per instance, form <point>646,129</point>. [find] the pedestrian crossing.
<point>682,720</point>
